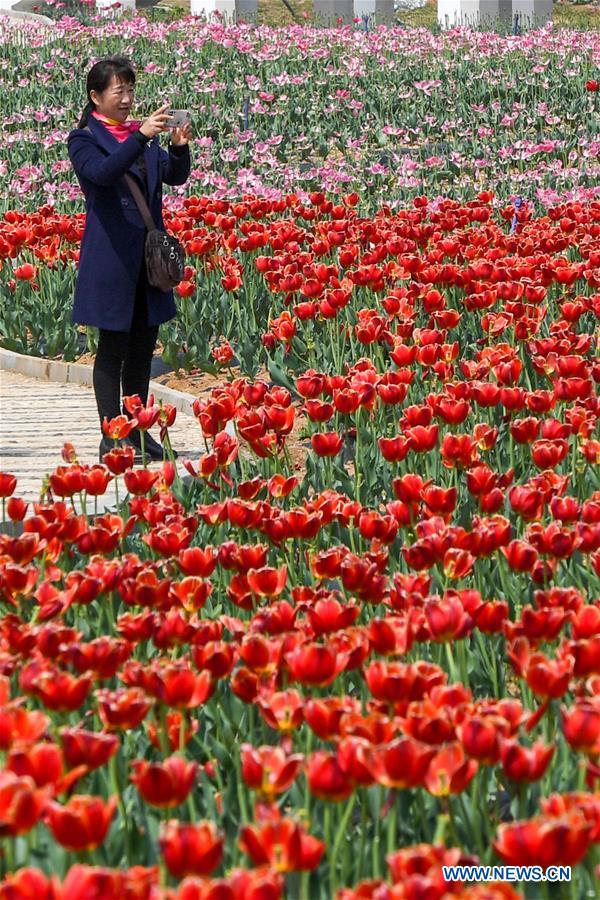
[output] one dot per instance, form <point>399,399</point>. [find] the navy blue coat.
<point>112,247</point>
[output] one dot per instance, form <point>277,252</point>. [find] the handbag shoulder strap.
<point>141,203</point>
<point>137,196</point>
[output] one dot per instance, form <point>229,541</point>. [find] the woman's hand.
<point>181,136</point>
<point>156,122</point>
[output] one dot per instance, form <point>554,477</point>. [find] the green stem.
<point>327,838</point>
<point>392,818</point>
<point>163,734</point>
<point>240,789</point>
<point>451,664</point>
<point>364,818</point>
<point>452,821</point>
<point>340,835</point>
<point>116,786</point>
<point>375,861</point>
<point>305,886</point>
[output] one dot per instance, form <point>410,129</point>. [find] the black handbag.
<point>165,257</point>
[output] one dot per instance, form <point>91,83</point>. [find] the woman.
<point>112,292</point>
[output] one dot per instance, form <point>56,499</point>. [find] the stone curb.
<point>22,14</point>
<point>77,373</point>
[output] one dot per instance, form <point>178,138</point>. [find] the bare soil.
<point>202,383</point>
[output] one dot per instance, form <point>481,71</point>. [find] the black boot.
<point>152,448</point>
<point>107,444</point>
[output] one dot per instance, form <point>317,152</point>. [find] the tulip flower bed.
<point>328,677</point>
<point>279,114</point>
<point>389,113</point>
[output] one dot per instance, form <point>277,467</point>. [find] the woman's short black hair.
<point>99,78</point>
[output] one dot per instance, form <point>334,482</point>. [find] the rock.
<point>408,5</point>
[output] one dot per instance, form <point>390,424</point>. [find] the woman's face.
<point>116,100</point>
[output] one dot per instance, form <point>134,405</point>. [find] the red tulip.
<point>191,849</point>
<point>326,778</point>
<point>394,449</point>
<point>481,737</point>
<point>309,385</point>
<point>316,664</point>
<point>327,443</point>
<point>520,556</point>
<point>178,686</point>
<point>21,803</point>
<point>282,844</point>
<point>391,636</point>
<point>82,823</point>
<point>57,690</point>
<point>269,770</point>
<point>525,763</point>
<point>16,509</point>
<point>88,748</point>
<point>537,624</point>
<point>122,709</point>
<point>166,783</point>
<point>586,654</point>
<point>485,436</point>
<point>491,616</point>
<point>66,481</point>
<point>83,882</point>
<point>547,454</point>
<point>192,592</point>
<point>119,427</point>
<point>261,654</point>
<point>586,622</point>
<point>544,841</point>
<point>394,682</point>
<point>549,677</point>
<point>26,272</point>
<point>447,619</point>
<point>324,715</point>
<point>20,725</point>
<point>8,483</point>
<point>403,763</point>
<point>458,450</point>
<point>140,481</point>
<point>44,763</point>
<point>283,710</point>
<point>525,431</point>
<point>30,884</point>
<point>527,502</point>
<point>422,438</point>
<point>440,501</point>
<point>419,869</point>
<point>588,805</point>
<point>449,771</point>
<point>267,581</point>
<point>329,615</point>
<point>581,726</point>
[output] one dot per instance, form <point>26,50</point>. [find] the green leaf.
<point>279,376</point>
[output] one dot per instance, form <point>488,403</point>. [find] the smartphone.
<point>178,118</point>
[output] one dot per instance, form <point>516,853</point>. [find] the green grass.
<point>574,15</point>
<point>274,12</point>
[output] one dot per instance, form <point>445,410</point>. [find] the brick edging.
<point>77,373</point>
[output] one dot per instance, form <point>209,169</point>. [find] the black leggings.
<point>125,358</point>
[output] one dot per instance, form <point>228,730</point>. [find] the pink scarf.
<point>120,130</point>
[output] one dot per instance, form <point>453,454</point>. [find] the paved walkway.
<point>37,417</point>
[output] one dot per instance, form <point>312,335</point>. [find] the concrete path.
<point>37,417</point>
